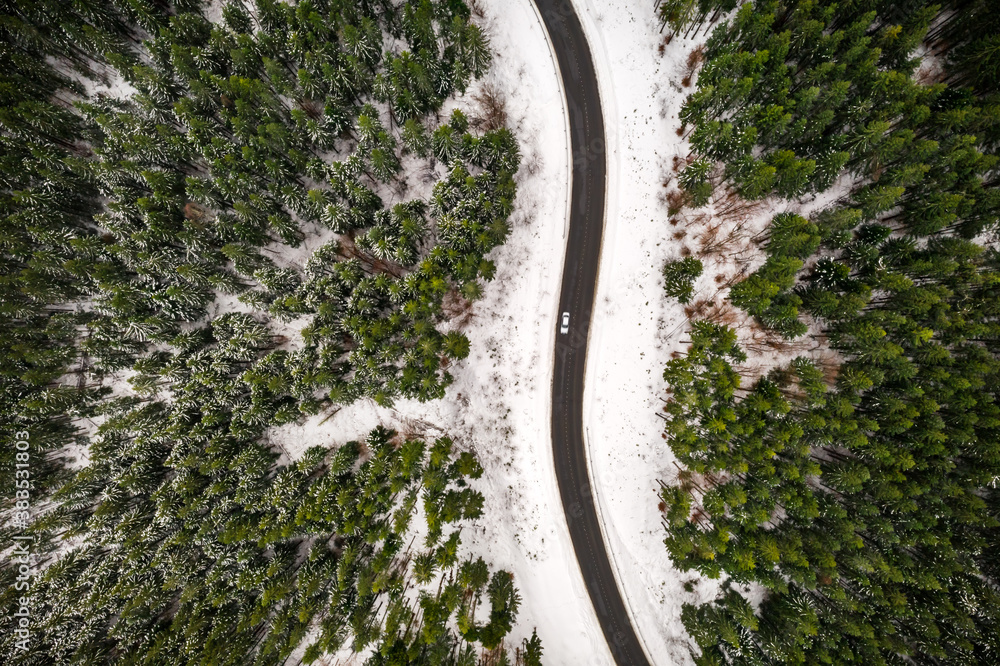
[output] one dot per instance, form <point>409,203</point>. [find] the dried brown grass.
<point>715,241</point>
<point>676,201</point>
<point>456,308</point>
<point>695,58</point>
<point>710,309</point>
<point>492,107</point>
<point>664,43</point>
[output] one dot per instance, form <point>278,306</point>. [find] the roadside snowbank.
<point>642,94</point>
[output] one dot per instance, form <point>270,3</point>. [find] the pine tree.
<point>679,277</point>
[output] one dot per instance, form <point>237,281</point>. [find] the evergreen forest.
<point>852,512</point>
<point>218,219</point>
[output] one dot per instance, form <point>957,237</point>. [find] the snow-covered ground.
<point>642,94</point>
<point>499,404</point>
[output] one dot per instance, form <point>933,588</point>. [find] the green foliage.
<point>683,14</point>
<point>861,497</point>
<point>679,277</point>
<point>128,223</point>
<point>695,181</point>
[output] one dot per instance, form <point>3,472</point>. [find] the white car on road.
<point>564,326</point>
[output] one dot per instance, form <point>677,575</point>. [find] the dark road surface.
<point>583,253</point>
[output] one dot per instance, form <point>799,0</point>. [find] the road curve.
<point>583,254</point>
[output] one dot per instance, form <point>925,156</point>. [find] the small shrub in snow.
<point>679,277</point>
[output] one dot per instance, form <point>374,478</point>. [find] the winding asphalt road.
<point>583,254</point>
